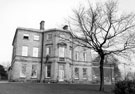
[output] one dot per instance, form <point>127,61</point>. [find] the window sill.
<point>22,77</point>
<point>33,77</point>
<point>76,78</point>
<point>36,40</point>
<point>25,39</point>
<point>84,78</point>
<point>47,77</point>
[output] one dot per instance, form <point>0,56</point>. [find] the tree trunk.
<point>102,73</point>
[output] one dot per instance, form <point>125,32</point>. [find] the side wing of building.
<point>26,54</point>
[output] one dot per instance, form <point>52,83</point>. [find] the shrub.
<point>125,87</point>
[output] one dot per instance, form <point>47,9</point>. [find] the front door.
<point>61,72</point>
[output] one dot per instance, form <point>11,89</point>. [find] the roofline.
<point>55,29</point>
<point>39,31</point>
<point>14,37</point>
<point>29,29</point>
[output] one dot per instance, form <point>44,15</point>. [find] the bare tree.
<point>104,30</point>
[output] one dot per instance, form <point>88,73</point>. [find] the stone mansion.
<point>40,54</point>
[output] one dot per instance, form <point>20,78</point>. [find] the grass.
<point>38,88</point>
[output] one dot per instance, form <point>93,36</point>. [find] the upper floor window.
<point>48,50</point>
<point>24,51</point>
<point>49,36</point>
<point>61,51</point>
<point>62,36</point>
<point>76,55</point>
<point>35,52</point>
<point>70,52</point>
<point>26,36</point>
<point>84,56</point>
<point>36,37</point>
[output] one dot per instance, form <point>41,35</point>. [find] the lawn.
<point>41,88</point>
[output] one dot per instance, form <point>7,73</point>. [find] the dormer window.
<point>26,36</point>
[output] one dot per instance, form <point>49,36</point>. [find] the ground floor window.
<point>84,73</point>
<point>23,70</point>
<point>76,71</point>
<point>34,71</point>
<point>61,72</point>
<point>108,74</point>
<point>48,71</point>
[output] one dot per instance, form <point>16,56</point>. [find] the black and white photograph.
<point>67,47</point>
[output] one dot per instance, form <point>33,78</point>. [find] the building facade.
<point>49,56</point>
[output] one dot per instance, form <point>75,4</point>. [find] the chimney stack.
<point>65,27</point>
<point>42,25</point>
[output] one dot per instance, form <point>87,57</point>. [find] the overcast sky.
<point>29,13</point>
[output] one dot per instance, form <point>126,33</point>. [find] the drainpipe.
<point>111,73</point>
<point>42,50</point>
<point>72,60</point>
